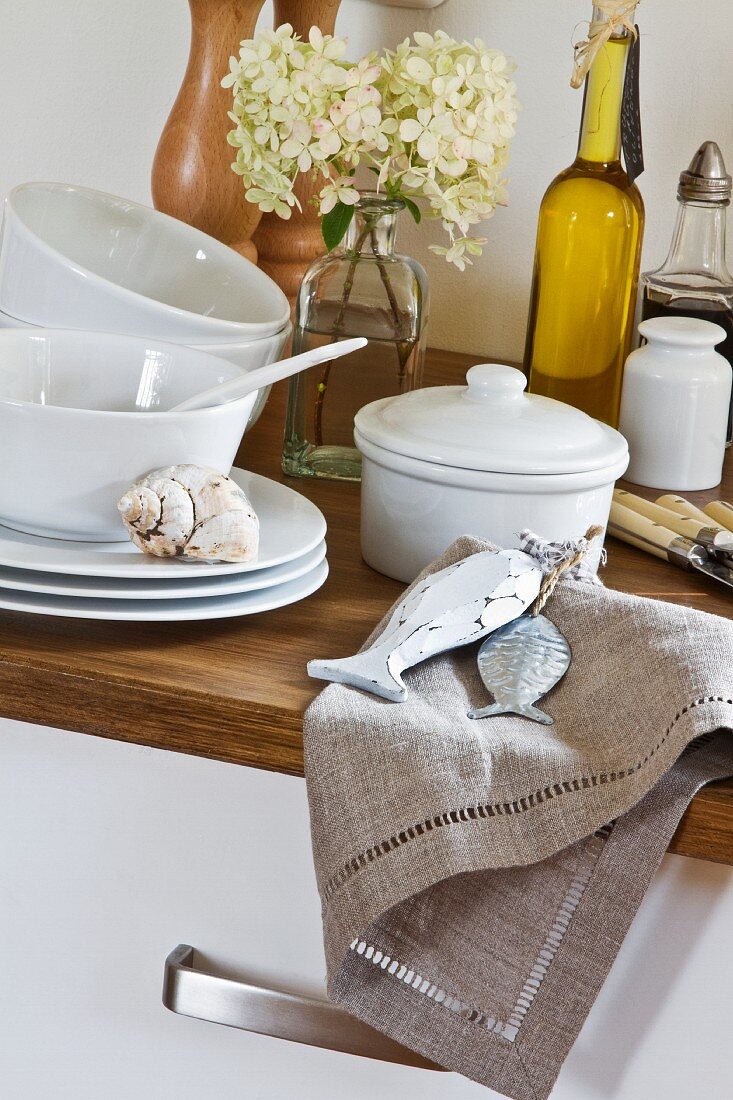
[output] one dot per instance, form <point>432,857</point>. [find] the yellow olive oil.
<point>587,257</point>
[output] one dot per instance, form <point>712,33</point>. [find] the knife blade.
<point>646,534</point>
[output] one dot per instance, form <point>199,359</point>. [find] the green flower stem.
<point>384,274</point>
<point>338,327</point>
<point>403,348</point>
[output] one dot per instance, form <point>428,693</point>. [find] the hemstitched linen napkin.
<point>477,878</point>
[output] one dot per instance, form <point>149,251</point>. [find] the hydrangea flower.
<point>433,118</point>
<point>340,189</point>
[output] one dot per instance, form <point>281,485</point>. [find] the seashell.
<point>193,511</point>
<point>450,608</point>
<point>519,664</point>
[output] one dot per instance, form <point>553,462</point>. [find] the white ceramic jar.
<point>674,404</point>
<point>485,459</point>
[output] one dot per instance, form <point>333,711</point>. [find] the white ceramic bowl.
<point>83,415</point>
<point>247,355</point>
<point>484,459</point>
<point>75,258</point>
<point>250,355</point>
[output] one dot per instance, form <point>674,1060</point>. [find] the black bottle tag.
<point>631,114</point>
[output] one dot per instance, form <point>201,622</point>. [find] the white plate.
<point>119,588</point>
<point>290,526</point>
<point>148,611</point>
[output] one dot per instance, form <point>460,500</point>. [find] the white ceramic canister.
<point>485,459</point>
<point>674,404</point>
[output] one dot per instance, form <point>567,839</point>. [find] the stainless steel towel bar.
<point>192,992</point>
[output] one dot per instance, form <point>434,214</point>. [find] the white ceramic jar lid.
<point>493,425</point>
<point>688,332</point>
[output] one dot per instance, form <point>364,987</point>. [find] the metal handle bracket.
<point>190,991</point>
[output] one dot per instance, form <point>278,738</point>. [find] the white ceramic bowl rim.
<point>218,349</point>
<point>216,362</point>
<point>132,295</point>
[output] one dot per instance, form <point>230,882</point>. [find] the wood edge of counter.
<point>706,830</point>
<point>193,723</point>
<point>211,728</point>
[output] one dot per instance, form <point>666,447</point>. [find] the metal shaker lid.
<point>706,180</point>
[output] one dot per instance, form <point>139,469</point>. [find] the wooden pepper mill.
<point>192,177</point>
<point>287,248</point>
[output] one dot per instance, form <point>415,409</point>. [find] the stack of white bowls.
<point>82,416</point>
<point>113,315</point>
<point>75,258</point>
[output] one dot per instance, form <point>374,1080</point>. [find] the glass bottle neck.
<point>600,131</point>
<point>374,226</point>
<point>698,243</point>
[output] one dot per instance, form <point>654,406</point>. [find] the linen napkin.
<point>477,878</point>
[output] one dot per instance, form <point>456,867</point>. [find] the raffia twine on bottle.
<point>619,15</point>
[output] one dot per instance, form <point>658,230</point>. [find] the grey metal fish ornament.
<point>519,663</point>
<point>450,608</point>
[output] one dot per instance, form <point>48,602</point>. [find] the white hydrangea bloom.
<point>456,108</point>
<point>434,118</point>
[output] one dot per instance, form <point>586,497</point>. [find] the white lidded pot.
<point>674,404</point>
<point>486,459</point>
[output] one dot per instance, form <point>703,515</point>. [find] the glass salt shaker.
<point>694,280</point>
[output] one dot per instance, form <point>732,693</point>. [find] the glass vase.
<point>363,288</point>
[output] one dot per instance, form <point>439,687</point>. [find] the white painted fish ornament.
<point>457,605</point>
<point>519,663</point>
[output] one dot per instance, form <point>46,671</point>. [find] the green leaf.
<point>335,223</point>
<point>413,208</point>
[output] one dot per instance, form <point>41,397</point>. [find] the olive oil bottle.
<point>587,256</point>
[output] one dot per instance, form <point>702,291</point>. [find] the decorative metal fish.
<point>450,608</point>
<point>519,663</point>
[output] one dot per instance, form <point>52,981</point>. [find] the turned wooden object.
<point>286,249</point>
<point>192,177</point>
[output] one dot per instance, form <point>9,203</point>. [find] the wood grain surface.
<point>192,177</point>
<point>286,249</point>
<point>235,690</point>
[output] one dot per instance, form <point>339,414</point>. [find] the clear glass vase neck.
<point>373,229</point>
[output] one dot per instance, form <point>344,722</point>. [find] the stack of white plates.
<point>114,580</point>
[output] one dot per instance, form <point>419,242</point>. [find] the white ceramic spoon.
<point>265,376</point>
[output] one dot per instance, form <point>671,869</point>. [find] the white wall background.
<point>86,85</point>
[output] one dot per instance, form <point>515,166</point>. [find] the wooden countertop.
<point>235,690</point>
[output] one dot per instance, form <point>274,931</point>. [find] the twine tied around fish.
<point>524,659</point>
<point>568,556</point>
<point>619,15</point>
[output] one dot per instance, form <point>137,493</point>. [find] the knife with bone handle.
<point>720,511</point>
<point>683,507</point>
<point>644,533</point>
<point>717,540</point>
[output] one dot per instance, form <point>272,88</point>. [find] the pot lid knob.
<point>495,382</point>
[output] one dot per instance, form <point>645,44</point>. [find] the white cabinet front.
<point>111,854</point>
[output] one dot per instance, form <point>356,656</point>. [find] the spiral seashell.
<point>193,511</point>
